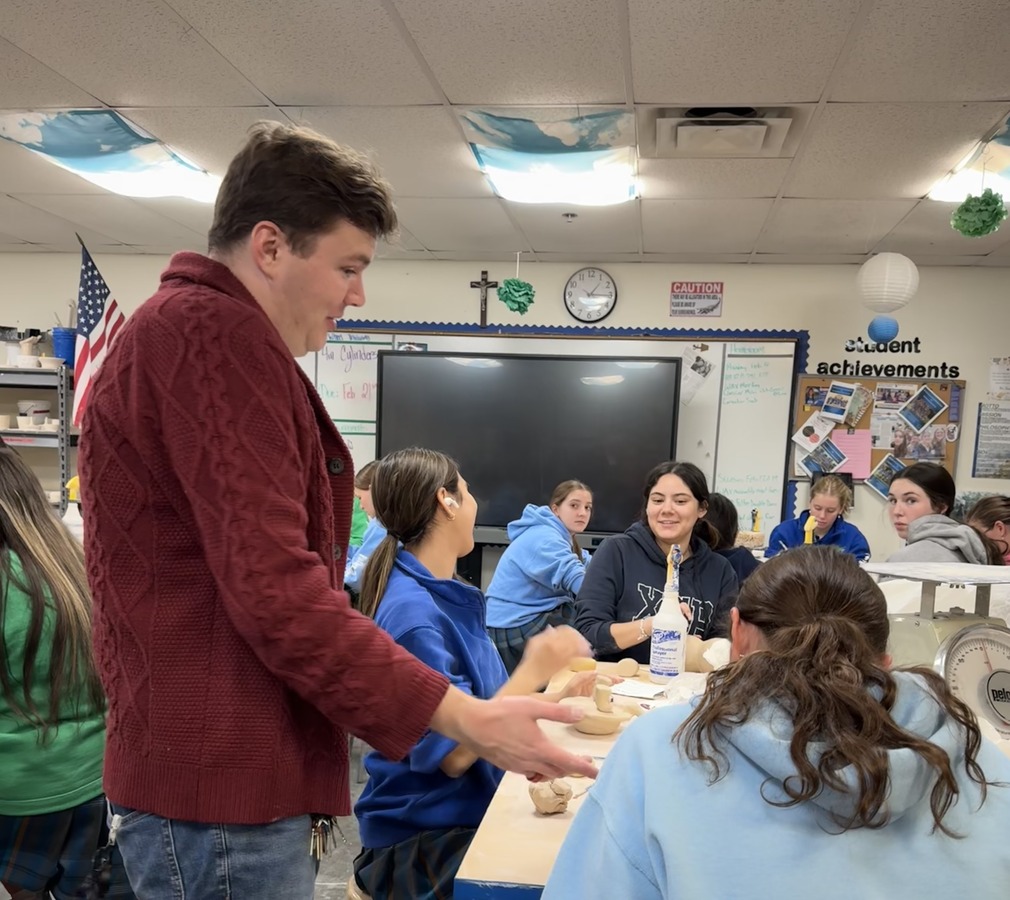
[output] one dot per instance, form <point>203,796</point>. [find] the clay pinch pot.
<point>593,721</point>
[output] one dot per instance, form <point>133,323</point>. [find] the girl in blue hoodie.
<point>821,772</point>
<point>417,816</point>
<point>536,580</point>
<point>625,578</point>
<point>830,499</point>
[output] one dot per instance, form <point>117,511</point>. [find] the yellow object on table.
<point>808,530</point>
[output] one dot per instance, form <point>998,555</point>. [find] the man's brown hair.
<point>304,183</point>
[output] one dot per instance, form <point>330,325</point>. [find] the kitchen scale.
<point>970,650</point>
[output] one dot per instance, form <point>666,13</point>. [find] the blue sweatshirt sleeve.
<point>858,546</point>
<point>778,541</point>
<point>429,645</point>
<point>599,596</point>
<point>553,564</point>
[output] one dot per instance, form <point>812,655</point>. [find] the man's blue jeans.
<point>167,859</point>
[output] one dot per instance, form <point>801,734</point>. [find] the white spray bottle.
<point>669,627</point>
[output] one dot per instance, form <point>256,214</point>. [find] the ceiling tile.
<point>387,252</point>
<point>708,226</point>
<point>830,226</point>
<point>353,51</point>
<point>32,248</point>
<point>596,258</point>
<point>459,224</point>
<point>27,223</point>
<point>716,178</point>
<point>926,259</point>
<point>419,149</point>
<point>23,171</point>
<point>136,53</point>
<point>916,50</point>
<point>995,259</point>
<point>926,229</point>
<point>208,136</point>
<point>520,51</point>
<point>887,149</point>
<point>119,217</point>
<point>810,259</point>
<point>403,240</point>
<point>25,83</point>
<point>473,256</point>
<point>193,216</point>
<point>690,258</point>
<point>597,229</point>
<point>698,52</point>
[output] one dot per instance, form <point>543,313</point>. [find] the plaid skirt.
<point>511,642</point>
<point>422,867</point>
<point>55,851</point>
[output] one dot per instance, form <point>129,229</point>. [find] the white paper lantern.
<point>887,282</point>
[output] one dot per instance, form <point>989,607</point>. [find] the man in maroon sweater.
<point>218,498</point>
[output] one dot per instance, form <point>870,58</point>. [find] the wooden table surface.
<point>515,848</point>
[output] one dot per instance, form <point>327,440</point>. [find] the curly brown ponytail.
<point>825,629</point>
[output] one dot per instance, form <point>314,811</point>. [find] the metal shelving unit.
<point>61,440</point>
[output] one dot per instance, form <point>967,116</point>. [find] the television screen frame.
<point>494,535</point>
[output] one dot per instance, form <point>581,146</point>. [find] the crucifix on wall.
<point>483,284</point>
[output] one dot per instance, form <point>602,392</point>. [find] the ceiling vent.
<point>720,132</point>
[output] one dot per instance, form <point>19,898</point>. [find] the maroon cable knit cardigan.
<point>217,499</point>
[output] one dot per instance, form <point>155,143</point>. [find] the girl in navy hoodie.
<point>625,578</point>
<point>830,499</point>
<point>418,816</point>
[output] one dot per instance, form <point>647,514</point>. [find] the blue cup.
<point>64,345</point>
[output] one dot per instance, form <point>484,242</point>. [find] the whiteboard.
<point>735,399</point>
<point>754,431</point>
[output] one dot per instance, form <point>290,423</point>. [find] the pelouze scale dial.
<point>970,650</point>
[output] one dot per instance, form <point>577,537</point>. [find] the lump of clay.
<point>602,697</point>
<point>593,721</point>
<point>551,797</point>
<point>627,668</point>
<point>582,664</point>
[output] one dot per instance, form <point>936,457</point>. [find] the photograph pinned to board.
<point>825,459</point>
<point>813,397</point>
<point>411,346</point>
<point>812,432</point>
<point>928,444</point>
<point>695,369</point>
<point>922,408</point>
<point>859,403</point>
<point>885,472</point>
<point>836,403</point>
<point>889,395</point>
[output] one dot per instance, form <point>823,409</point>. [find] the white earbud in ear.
<point>450,501</point>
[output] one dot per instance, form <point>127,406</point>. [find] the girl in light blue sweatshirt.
<point>540,572</point>
<point>815,769</point>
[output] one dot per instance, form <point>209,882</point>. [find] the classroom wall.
<point>961,315</point>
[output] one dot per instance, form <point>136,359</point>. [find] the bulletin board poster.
<point>871,429</point>
<point>992,441</point>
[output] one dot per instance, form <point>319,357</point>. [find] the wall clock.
<point>590,295</point>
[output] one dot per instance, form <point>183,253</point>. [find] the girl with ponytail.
<point>418,816</point>
<point>816,768</point>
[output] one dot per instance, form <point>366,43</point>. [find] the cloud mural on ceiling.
<point>107,150</point>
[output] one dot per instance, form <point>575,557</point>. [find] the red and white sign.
<point>696,298</point>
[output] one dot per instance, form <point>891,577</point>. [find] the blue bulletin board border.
<point>802,338</point>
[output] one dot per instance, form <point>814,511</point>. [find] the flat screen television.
<point>519,425</point>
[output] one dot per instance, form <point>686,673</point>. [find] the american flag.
<point>98,323</point>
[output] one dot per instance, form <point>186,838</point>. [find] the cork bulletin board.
<point>872,428</point>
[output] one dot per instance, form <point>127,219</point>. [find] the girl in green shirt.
<point>52,725</point>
